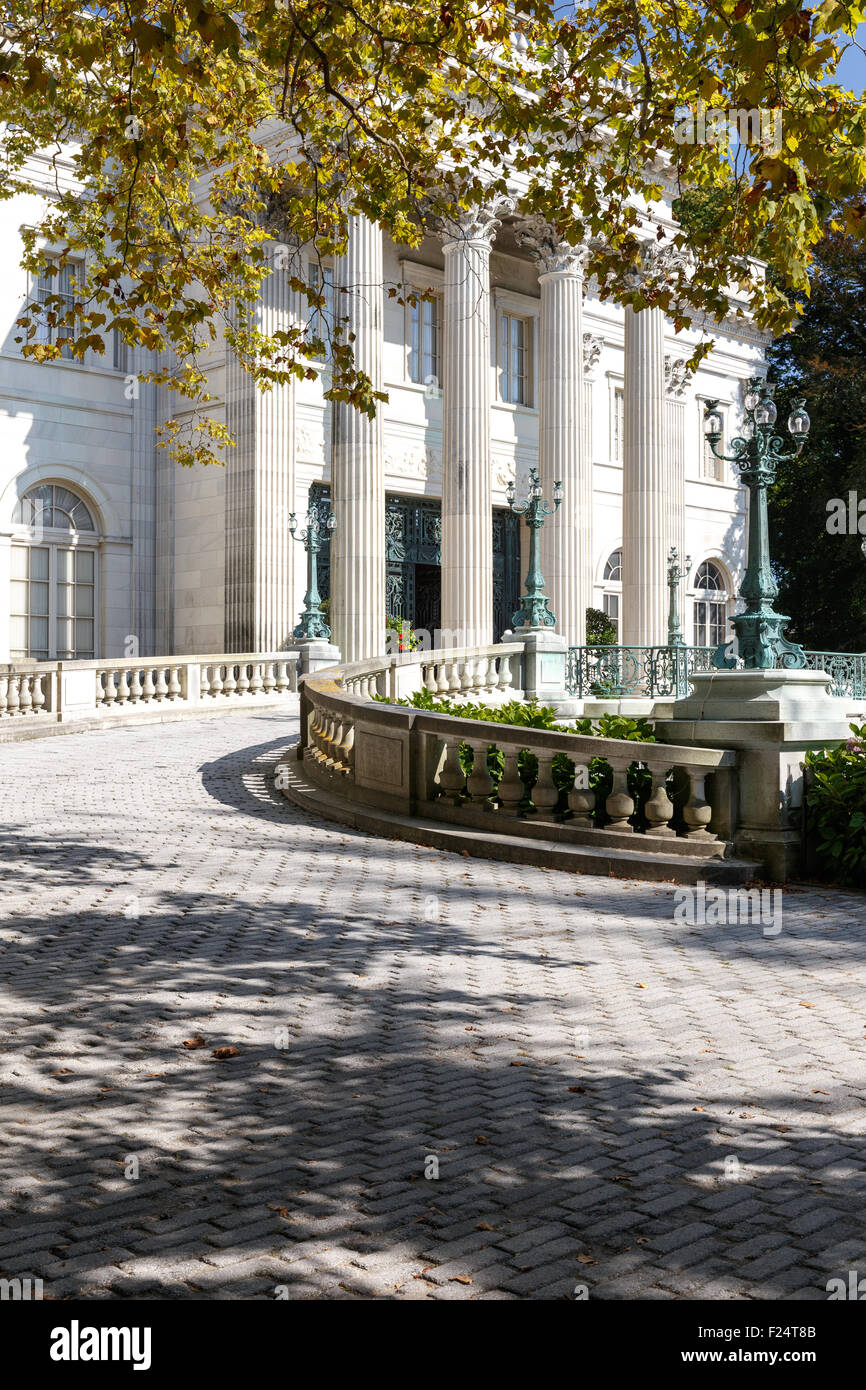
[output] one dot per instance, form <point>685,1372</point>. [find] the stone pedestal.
<point>315,654</point>
<point>771,719</point>
<point>545,655</point>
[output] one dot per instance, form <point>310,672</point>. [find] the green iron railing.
<point>658,673</point>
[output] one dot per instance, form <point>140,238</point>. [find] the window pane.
<point>65,639</point>
<point>83,601</point>
<point>83,636</point>
<point>64,600</point>
<point>38,562</point>
<point>19,562</point>
<point>84,566</point>
<point>18,636</point>
<point>19,596</point>
<point>39,599</point>
<point>38,635</point>
<point>64,560</point>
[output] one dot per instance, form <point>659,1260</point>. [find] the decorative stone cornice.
<point>552,253</point>
<point>592,346</point>
<point>677,376</point>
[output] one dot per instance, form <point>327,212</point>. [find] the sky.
<point>852,69</point>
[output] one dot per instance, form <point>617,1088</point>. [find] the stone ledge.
<point>604,861</point>
<point>30,726</point>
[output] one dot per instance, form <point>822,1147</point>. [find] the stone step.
<point>605,860</point>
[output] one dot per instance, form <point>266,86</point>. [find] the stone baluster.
<point>230,685</point>
<point>12,695</point>
<point>620,803</point>
<point>512,788</point>
<point>243,678</point>
<point>204,685</point>
<point>148,688</point>
<point>545,793</point>
<point>135,686</point>
<point>123,686</point>
<point>659,808</point>
<point>451,777</point>
<point>161,684</point>
<point>281,676</point>
<point>174,686</point>
<point>697,811</point>
<point>106,690</point>
<point>479,783</point>
<point>38,694</point>
<point>504,673</point>
<point>581,802</point>
<point>4,692</point>
<point>24,699</point>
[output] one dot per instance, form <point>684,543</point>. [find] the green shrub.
<point>836,802</point>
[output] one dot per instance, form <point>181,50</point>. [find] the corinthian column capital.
<point>552,253</point>
<point>475,224</point>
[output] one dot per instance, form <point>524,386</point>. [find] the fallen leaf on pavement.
<point>191,1043</point>
<point>223,1053</point>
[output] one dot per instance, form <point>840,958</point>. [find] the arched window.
<point>53,600</point>
<point>613,588</point>
<point>711,606</point>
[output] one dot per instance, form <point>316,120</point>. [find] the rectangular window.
<point>617,425</point>
<point>320,321</point>
<point>712,467</point>
<point>53,587</point>
<point>120,358</point>
<point>424,342</point>
<point>64,282</point>
<point>711,623</point>
<point>610,606</point>
<point>515,345</point>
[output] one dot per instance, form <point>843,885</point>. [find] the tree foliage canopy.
<point>822,574</point>
<point>186,131</point>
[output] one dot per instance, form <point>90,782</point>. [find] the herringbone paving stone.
<point>450,1078</point>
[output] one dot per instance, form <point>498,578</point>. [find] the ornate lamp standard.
<point>533,612</point>
<point>759,639</point>
<point>312,624</point>
<point>675,574</point>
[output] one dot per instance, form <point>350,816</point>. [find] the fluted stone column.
<point>260,488</point>
<point>357,458</point>
<point>676,382</point>
<point>467,506</point>
<point>645,524</point>
<point>566,540</point>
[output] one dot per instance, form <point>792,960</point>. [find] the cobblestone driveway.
<point>613,1100</point>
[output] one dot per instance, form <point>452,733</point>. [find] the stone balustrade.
<point>583,789</point>
<point>51,693</point>
<point>482,674</point>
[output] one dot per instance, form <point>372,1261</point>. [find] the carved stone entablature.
<point>552,254</point>
<point>592,346</point>
<point>506,469</point>
<point>677,376</point>
<point>413,461</point>
<point>309,444</point>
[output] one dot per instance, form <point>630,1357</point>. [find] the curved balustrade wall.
<point>418,763</point>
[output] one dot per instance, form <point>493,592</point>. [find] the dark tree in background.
<point>822,577</point>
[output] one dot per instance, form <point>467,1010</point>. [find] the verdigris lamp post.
<point>312,625</point>
<point>534,613</point>
<point>676,573</point>
<point>759,641</point>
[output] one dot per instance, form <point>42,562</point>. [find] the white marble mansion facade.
<point>107,548</point>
